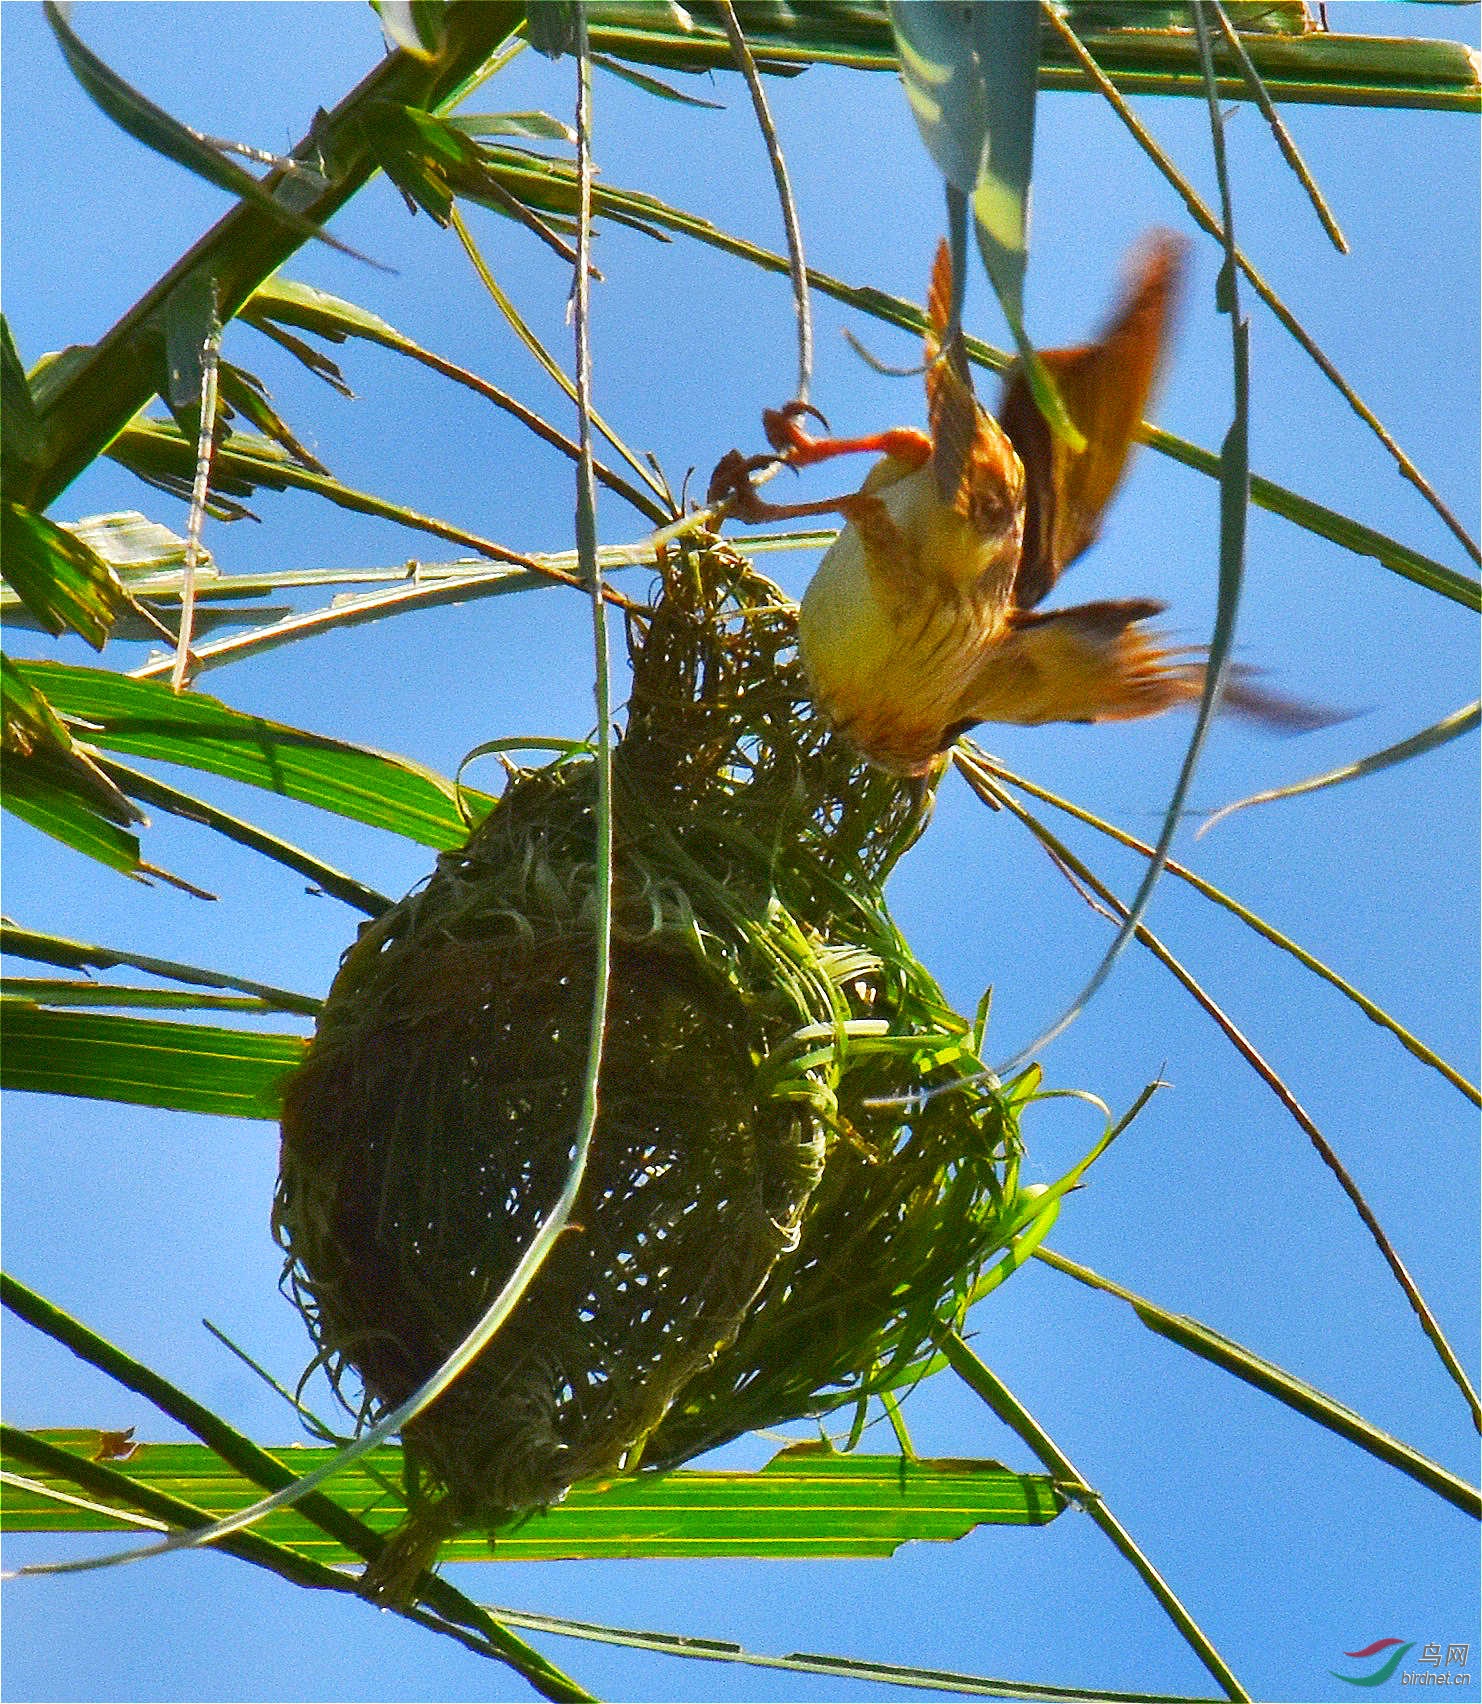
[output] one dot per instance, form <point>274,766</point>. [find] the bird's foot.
<point>731,483</point>
<point>786,434</point>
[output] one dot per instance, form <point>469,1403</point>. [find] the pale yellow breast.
<point>890,644</point>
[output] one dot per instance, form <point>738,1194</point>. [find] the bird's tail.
<point>1098,663</point>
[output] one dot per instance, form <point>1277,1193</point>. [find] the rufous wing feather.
<point>973,462</point>
<point>1106,387</point>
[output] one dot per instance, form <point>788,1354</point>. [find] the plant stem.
<point>986,1384</point>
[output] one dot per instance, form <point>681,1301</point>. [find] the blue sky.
<point>1289,1546</point>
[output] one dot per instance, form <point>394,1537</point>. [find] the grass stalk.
<point>120,373</point>
<point>985,1384</point>
<point>263,1469</point>
<point>1279,131</point>
<point>1309,961</point>
<point>1264,1375</point>
<point>797,266</point>
<point>1208,223</point>
<point>993,794</point>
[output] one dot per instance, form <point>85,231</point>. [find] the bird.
<point>922,619</point>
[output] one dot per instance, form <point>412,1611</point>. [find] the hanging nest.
<point>754,1240</point>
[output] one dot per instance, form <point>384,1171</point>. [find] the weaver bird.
<point>921,621</point>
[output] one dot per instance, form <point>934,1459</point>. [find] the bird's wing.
<point>973,463</point>
<point>1105,386</point>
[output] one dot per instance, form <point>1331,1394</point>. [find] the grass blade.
<point>1370,1008</point>
<point>1234,504</point>
<point>1279,130</point>
<point>156,129</point>
<point>805,1503</point>
<point>1439,733</point>
<point>1208,223</point>
<point>144,718</point>
<point>84,955</point>
<point>324,876</point>
<point>1306,1399</point>
<point>991,793</point>
<point>846,1668</point>
<point>119,996</point>
<point>281,301</point>
<point>159,453</point>
<point>263,1469</point>
<point>59,577</point>
<point>542,355</point>
<point>985,1384</point>
<point>146,1061</point>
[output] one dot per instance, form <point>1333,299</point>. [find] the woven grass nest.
<point>753,1241</point>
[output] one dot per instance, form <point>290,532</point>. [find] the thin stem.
<point>797,266</point>
<point>1309,961</point>
<point>1207,221</point>
<point>1297,1394</point>
<point>586,545</point>
<point>1234,479</point>
<point>201,487</point>
<point>986,1384</point>
<point>539,351</point>
<point>1279,130</point>
<point>371,606</point>
<point>849,1668</point>
<point>993,794</point>
<point>149,788</point>
<point>256,1464</point>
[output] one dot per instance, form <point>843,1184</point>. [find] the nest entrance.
<point>753,1240</point>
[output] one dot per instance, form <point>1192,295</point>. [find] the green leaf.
<point>247,394</point>
<point>147,719</point>
<point>652,85</point>
<point>107,383</point>
<point>45,796</point>
<point>1440,733</point>
<point>418,27</point>
<point>85,955</point>
<point>186,1067</point>
<point>54,784</point>
<point>62,581</point>
<point>19,433</point>
<point>326,878</point>
<point>433,162</point>
<point>1317,66</point>
<point>258,1466</point>
<point>970,74</point>
<point>805,1503</point>
<point>538,126</point>
<point>154,127</point>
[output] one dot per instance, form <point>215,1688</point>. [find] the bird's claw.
<point>731,483</point>
<point>785,433</point>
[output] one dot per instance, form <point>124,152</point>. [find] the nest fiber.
<point>755,1239</point>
